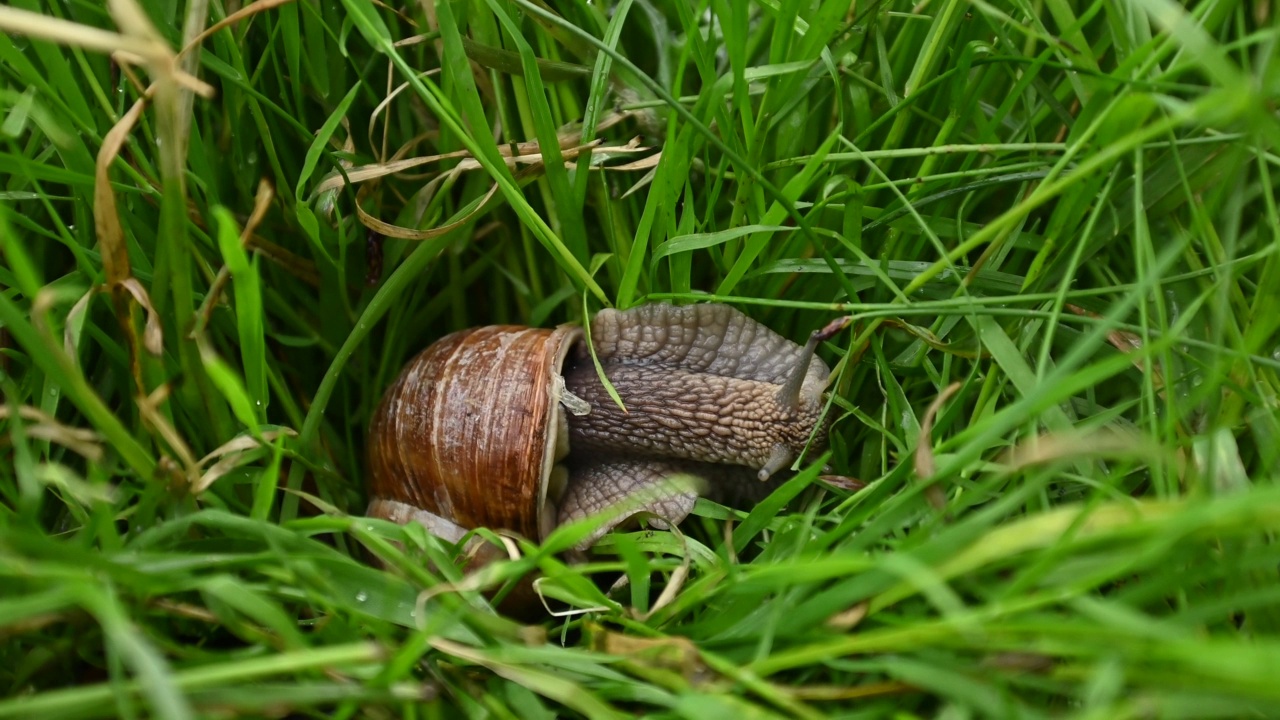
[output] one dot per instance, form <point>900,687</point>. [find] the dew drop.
<point>362,596</point>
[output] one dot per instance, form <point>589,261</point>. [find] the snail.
<point>511,428</point>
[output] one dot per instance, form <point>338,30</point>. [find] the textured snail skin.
<point>703,387</point>
<point>623,486</point>
<point>694,416</point>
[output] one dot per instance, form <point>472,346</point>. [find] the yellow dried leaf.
<point>153,335</point>
<point>675,653</point>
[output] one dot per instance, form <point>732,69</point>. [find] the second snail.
<point>510,427</point>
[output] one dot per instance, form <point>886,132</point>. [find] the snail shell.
<point>471,433</point>
<point>474,432</point>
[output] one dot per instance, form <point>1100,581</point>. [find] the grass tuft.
<point>1052,229</point>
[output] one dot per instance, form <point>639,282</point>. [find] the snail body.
<point>511,428</point>
<point>701,382</point>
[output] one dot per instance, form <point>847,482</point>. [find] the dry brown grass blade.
<point>674,584</point>
<point>115,254</point>
<point>232,455</point>
<point>613,118</point>
<point>289,261</point>
<point>398,10</point>
<point>529,154</point>
<point>178,78</point>
<point>467,164</point>
<point>197,17</point>
<point>416,39</point>
<point>404,233</point>
<point>44,301</point>
<point>645,163</point>
<point>83,442</point>
<point>363,173</point>
<point>244,442</point>
<point>249,630</point>
<point>261,204</point>
<point>602,153</point>
<point>66,32</point>
<point>135,24</point>
<point>1126,342</point>
<point>35,623</point>
<point>262,200</point>
<point>245,12</point>
<point>111,241</point>
<point>73,318</point>
<point>927,337</point>
<point>385,104</point>
<point>1053,447</point>
<point>925,465</point>
<point>678,654</point>
<point>126,70</point>
<point>129,47</point>
<point>146,44</point>
<point>644,180</point>
<point>1019,662</point>
<point>843,482</point>
<point>159,59</point>
<point>149,409</point>
<point>153,335</point>
<point>846,620</point>
<point>526,153</point>
<point>293,263</point>
<point>374,171</point>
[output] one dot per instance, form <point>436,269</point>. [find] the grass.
<point>1053,224</point>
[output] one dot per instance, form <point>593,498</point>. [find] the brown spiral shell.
<point>470,434</point>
